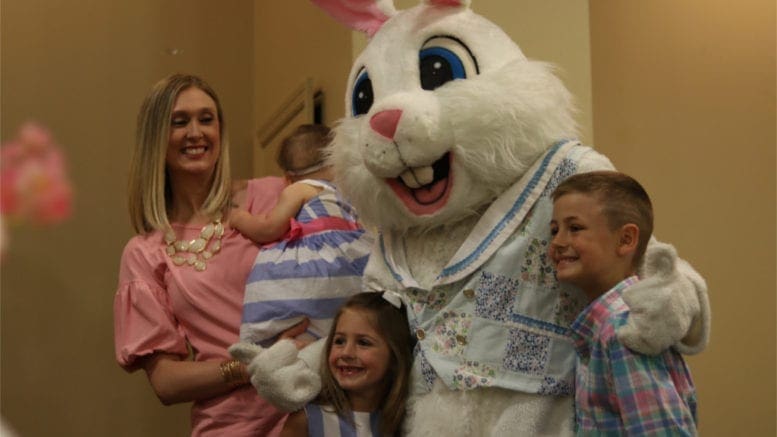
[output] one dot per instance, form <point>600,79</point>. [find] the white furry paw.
<point>662,305</point>
<point>282,378</point>
<point>244,352</point>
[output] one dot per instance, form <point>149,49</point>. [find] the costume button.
<point>461,339</point>
<point>469,293</point>
<point>420,334</point>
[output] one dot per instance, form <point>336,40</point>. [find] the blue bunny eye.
<point>362,97</point>
<point>443,59</point>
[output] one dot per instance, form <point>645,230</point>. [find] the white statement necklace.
<point>198,251</point>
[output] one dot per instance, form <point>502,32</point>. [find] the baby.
<point>319,250</point>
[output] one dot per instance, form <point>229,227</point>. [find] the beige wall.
<point>82,68</point>
<point>684,99</point>
<point>314,46</point>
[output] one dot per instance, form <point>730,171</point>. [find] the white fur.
<point>489,412</point>
<point>666,302</point>
<point>290,379</point>
<point>495,123</point>
<point>527,109</point>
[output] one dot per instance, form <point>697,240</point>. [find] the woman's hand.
<point>177,380</point>
<point>296,425</point>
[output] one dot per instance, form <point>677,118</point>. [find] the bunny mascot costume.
<point>451,144</point>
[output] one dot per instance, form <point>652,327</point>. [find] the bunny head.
<point>443,113</point>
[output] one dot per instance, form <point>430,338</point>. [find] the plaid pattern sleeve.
<point>621,392</point>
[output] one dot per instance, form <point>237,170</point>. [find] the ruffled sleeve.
<point>143,319</point>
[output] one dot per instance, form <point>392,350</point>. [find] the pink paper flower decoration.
<point>34,184</point>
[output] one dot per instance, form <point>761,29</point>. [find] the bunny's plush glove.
<point>668,307</point>
<point>285,377</point>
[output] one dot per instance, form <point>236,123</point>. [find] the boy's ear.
<point>629,239</point>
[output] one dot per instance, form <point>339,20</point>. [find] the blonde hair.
<point>149,183</point>
<point>391,323</point>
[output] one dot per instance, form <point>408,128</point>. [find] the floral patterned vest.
<point>496,316</point>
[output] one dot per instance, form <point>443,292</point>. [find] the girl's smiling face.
<point>359,358</point>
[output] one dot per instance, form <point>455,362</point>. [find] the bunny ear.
<point>363,15</point>
<point>453,3</point>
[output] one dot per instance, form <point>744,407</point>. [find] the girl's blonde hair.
<point>149,183</point>
<point>391,323</point>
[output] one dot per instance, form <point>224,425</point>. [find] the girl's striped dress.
<point>310,272</point>
<point>325,423</point>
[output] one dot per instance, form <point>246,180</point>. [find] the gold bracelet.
<point>232,373</point>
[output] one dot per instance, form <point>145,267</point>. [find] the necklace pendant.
<point>197,245</point>
<point>195,252</point>
<point>207,231</point>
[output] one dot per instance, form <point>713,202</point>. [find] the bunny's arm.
<point>668,307</point>
<point>284,376</point>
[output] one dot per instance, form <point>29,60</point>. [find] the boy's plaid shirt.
<point>621,392</point>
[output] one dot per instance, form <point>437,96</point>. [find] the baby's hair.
<point>391,323</point>
<point>303,150</point>
<point>623,201</point>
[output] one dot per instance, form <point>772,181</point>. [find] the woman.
<point>181,281</point>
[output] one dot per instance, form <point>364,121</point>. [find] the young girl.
<point>322,251</point>
<point>364,373</point>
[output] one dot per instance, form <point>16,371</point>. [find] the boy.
<point>601,225</point>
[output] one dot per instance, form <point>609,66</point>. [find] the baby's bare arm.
<point>272,225</point>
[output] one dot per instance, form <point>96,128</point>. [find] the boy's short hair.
<point>623,201</point>
<point>304,148</point>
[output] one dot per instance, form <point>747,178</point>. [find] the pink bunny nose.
<point>385,122</point>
